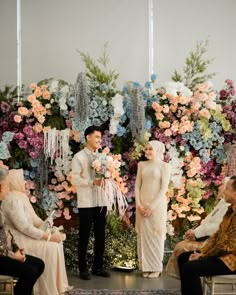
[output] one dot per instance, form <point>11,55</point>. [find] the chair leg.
<point>212,287</point>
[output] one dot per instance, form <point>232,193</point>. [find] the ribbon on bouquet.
<point>114,197</point>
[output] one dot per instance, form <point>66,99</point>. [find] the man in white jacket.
<point>91,204</point>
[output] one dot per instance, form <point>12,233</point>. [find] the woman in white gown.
<point>151,208</point>
<point>24,225</point>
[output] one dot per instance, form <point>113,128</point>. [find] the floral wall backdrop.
<point>194,120</point>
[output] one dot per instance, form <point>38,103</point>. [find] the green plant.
<point>195,69</point>
<point>97,70</point>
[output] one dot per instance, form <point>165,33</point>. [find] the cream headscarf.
<point>17,181</point>
<point>158,148</point>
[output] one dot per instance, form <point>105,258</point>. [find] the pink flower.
<point>106,151</point>
<point>96,165</point>
<point>22,144</point>
<point>205,113</point>
<point>33,199</point>
<point>44,87</point>
<point>168,132</point>
<point>33,86</point>
<point>17,118</point>
<point>193,217</point>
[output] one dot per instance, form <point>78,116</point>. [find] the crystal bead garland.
<point>231,161</point>
<point>137,116</point>
<point>81,89</point>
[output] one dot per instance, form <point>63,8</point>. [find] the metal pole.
<point>19,66</point>
<point>151,39</point>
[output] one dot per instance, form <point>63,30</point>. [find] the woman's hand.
<point>147,212</point>
<point>55,238</point>
<point>141,209</point>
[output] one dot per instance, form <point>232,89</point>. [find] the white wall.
<point>7,42</point>
<point>179,24</point>
<point>52,30</point>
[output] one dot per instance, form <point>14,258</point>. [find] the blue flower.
<point>32,174</point>
<point>103,87</point>
<point>153,77</point>
<point>120,130</point>
<point>4,153</point>
<point>93,104</point>
<point>136,84</point>
<point>71,101</point>
<point>148,84</point>
<point>34,163</point>
<point>148,124</point>
<point>26,174</point>
<point>125,90</point>
<point>7,137</point>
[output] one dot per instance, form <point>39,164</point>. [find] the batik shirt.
<point>223,243</point>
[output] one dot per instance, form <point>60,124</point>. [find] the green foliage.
<point>120,246</point>
<point>97,70</point>
<point>8,93</point>
<point>195,69</point>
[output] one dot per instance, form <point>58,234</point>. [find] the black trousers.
<point>191,271</point>
<point>87,217</point>
<point>27,272</point>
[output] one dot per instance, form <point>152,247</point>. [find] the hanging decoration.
<point>137,116</point>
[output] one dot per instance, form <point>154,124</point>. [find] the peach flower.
<point>106,151</point>
<point>41,119</point>
<point>23,111</point>
<point>205,113</point>
<point>17,118</point>
<point>38,92</point>
<point>46,95</point>
<point>38,127</point>
<point>33,86</point>
<point>31,98</point>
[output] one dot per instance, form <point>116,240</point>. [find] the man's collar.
<point>87,151</point>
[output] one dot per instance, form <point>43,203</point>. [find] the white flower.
<point>54,86</point>
<point>48,106</point>
<point>65,89</point>
<point>174,88</point>
<point>52,100</point>
<point>63,107</point>
<point>107,174</point>
<point>152,92</point>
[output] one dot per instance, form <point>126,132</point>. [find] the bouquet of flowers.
<point>107,167</point>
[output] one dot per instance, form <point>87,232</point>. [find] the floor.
<point>123,280</point>
<point>132,280</point>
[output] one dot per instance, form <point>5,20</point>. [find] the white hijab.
<point>17,181</point>
<point>158,148</point>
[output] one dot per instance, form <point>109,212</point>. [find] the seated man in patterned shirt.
<point>218,256</point>
<point>13,261</point>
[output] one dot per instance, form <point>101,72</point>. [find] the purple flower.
<point>229,82</point>
<point>5,108</point>
<point>22,144</point>
<point>19,135</point>
<point>224,94</point>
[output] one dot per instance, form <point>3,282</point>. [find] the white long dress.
<point>150,191</point>
<point>23,224</point>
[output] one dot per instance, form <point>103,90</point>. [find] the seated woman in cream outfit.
<point>195,238</point>
<point>24,225</point>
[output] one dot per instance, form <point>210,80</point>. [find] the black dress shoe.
<point>101,273</point>
<point>85,275</point>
